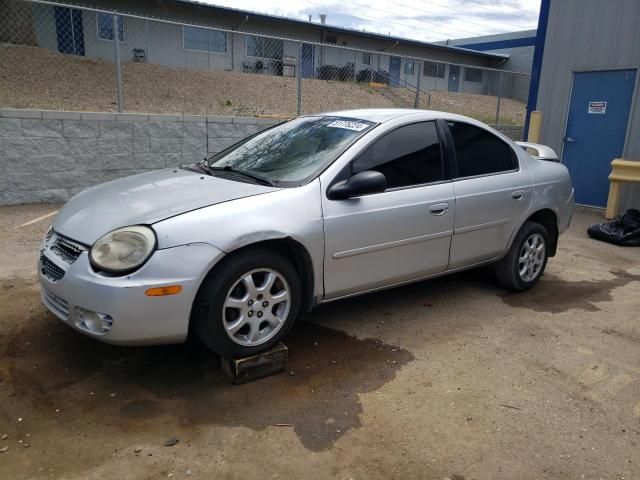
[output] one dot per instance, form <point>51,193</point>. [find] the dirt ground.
<point>32,77</point>
<point>447,379</point>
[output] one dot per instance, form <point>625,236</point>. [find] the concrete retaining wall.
<point>49,156</point>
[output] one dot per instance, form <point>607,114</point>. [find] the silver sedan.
<point>316,209</point>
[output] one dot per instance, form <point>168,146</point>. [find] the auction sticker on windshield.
<point>348,124</point>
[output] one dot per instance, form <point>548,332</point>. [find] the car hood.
<point>145,198</point>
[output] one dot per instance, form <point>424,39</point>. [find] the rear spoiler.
<point>541,152</point>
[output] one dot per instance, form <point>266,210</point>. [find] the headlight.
<point>123,250</point>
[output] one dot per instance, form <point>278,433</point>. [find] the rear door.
<point>493,193</point>
<point>397,235</point>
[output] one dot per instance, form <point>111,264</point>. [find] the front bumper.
<point>74,292</point>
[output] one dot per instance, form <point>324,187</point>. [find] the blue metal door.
<point>596,130</point>
<point>394,71</point>
<point>69,31</point>
<point>454,78</point>
<point>307,60</point>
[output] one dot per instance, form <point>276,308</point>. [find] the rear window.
<point>479,152</point>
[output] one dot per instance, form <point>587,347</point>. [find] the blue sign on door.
<point>596,130</point>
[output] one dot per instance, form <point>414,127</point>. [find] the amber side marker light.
<point>163,291</point>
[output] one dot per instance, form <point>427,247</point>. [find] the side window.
<point>479,152</point>
<point>409,155</point>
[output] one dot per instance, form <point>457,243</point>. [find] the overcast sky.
<point>427,20</point>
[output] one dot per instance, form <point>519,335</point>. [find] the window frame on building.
<point>433,67</point>
<point>409,66</point>
<point>473,75</point>
<point>263,39</point>
<point>209,41</point>
<point>99,29</point>
<point>366,58</point>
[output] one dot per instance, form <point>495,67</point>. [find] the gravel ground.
<point>32,77</point>
<point>447,379</point>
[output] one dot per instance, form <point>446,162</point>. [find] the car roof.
<point>381,115</point>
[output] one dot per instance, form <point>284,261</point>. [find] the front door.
<point>394,71</point>
<point>69,30</point>
<point>596,130</point>
<point>454,77</point>
<point>398,235</point>
<point>307,60</point>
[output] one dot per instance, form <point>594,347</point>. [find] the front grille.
<point>57,304</point>
<point>50,269</point>
<point>66,250</point>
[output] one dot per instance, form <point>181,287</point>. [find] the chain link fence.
<point>70,58</point>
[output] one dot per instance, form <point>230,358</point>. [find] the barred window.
<point>472,75</point>
<point>104,22</point>
<point>409,67</point>
<point>366,58</point>
<point>263,47</point>
<point>433,69</point>
<point>204,40</point>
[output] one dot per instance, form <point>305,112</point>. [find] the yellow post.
<point>613,200</point>
<point>621,171</point>
<point>535,124</point>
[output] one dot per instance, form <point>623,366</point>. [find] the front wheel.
<point>526,260</point>
<point>247,303</point>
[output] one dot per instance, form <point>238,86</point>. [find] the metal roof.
<point>350,31</point>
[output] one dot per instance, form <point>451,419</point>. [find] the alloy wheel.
<point>532,257</point>
<point>256,307</point>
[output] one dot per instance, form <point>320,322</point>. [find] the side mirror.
<point>362,183</point>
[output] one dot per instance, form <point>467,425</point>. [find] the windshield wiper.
<point>202,165</point>
<point>252,176</point>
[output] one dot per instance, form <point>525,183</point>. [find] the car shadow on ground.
<point>58,372</point>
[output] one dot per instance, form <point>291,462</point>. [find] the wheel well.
<point>299,258</point>
<point>548,219</point>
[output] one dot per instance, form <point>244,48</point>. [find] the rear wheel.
<point>526,260</point>
<point>247,303</point>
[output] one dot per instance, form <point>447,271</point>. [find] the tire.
<point>237,317</point>
<point>526,260</point>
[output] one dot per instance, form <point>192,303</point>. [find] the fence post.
<point>299,78</point>
<point>116,48</point>
<point>418,64</point>
<point>499,98</point>
<point>355,62</point>
<point>146,40</point>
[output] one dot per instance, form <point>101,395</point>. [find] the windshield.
<point>294,152</point>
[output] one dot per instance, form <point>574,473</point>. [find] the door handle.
<point>518,195</point>
<point>569,139</point>
<point>439,209</point>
